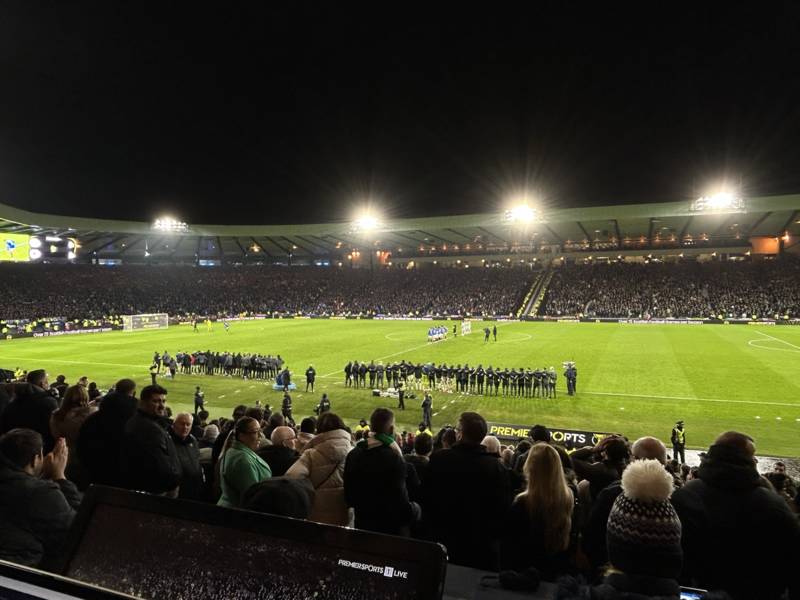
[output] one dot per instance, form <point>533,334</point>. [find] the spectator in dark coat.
<point>375,480</point>
<point>192,485</point>
<point>594,532</point>
<point>423,447</point>
<point>148,459</point>
<point>122,399</point>
<point>738,534</point>
<point>31,408</point>
<point>280,455</point>
<point>100,438</point>
<point>37,503</point>
<point>6,393</point>
<point>603,464</point>
<point>468,496</point>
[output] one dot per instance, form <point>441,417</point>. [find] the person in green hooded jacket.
<point>240,466</point>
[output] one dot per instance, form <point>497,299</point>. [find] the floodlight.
<point>522,213</point>
<point>70,255</point>
<point>722,201</point>
<point>170,224</point>
<point>35,242</point>
<point>35,254</point>
<point>365,222</point>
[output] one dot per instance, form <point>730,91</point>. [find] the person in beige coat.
<point>322,463</point>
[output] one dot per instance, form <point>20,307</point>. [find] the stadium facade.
<point>762,226</point>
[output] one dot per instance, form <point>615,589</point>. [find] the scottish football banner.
<point>571,439</point>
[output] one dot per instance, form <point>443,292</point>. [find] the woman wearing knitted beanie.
<point>644,541</point>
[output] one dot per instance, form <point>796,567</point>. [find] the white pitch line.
<point>223,395</point>
<point>778,340</point>
<point>691,398</point>
<point>755,344</point>
<point>31,359</point>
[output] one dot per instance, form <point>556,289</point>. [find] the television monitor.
<point>16,247</point>
<point>23,583</point>
<point>155,547</point>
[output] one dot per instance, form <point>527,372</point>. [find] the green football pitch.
<point>632,379</point>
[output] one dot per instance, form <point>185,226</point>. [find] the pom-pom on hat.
<point>644,532</point>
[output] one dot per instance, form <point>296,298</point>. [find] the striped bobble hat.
<point>644,532</point>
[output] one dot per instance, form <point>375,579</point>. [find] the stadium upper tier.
<point>675,226</point>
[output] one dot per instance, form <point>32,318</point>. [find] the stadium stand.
<point>766,289</point>
<point>96,293</point>
<point>529,512</point>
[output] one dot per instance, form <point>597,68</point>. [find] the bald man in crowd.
<point>594,532</point>
<point>281,454</point>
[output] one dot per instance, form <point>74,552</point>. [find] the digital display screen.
<point>149,555</point>
<point>16,247</point>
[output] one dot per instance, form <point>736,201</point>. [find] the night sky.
<point>277,115</point>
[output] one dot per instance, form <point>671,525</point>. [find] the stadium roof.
<point>651,225</point>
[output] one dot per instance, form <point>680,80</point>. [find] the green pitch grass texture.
<point>633,379</point>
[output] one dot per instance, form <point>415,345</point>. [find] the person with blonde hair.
<point>538,527</point>
<point>66,422</point>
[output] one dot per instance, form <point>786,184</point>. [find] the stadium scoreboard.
<point>149,321</point>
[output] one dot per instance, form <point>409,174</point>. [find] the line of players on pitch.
<point>529,383</point>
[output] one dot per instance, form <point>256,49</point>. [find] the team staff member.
<point>679,441</point>
<point>401,394</point>
<point>199,400</point>
<point>427,410</point>
<point>311,375</point>
<point>286,409</point>
<point>153,372</point>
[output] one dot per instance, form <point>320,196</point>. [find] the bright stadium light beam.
<point>366,221</point>
<point>722,199</point>
<point>521,213</point>
<point>170,225</point>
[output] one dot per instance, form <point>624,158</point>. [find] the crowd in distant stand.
<point>531,508</point>
<point>95,292</point>
<point>766,289</point>
<point>526,382</point>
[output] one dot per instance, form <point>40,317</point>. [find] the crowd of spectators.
<point>96,292</point>
<point>530,508</point>
<point>767,289</point>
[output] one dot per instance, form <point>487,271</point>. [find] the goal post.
<point>149,321</point>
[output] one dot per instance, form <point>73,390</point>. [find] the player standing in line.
<point>486,333</point>
<point>227,325</point>
<point>194,325</point>
<point>208,325</point>
<point>494,332</point>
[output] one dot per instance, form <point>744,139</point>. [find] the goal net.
<point>152,321</point>
<point>466,327</point>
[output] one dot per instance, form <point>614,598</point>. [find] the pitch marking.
<point>690,398</point>
<point>755,344</point>
<point>73,362</point>
<point>779,340</point>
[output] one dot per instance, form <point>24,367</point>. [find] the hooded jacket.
<point>322,463</point>
<point>738,534</point>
